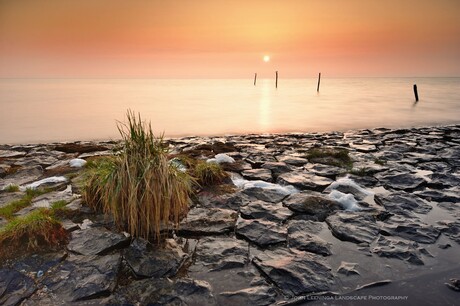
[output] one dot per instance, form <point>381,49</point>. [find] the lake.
<point>46,110</point>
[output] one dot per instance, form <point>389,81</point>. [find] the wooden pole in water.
<point>319,81</point>
<point>255,78</point>
<point>276,80</point>
<point>415,92</point>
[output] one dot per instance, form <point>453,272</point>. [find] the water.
<point>45,110</point>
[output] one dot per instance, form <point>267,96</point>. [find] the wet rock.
<point>258,174</point>
<point>410,228</point>
<point>304,180</point>
<point>14,287</point>
<point>454,284</point>
<point>353,226</point>
<point>163,291</point>
<point>313,204</point>
<point>39,262</point>
<point>399,248</point>
<point>324,170</point>
<point>96,241</point>
<point>153,261</point>
<point>21,176</point>
<point>404,203</point>
<point>84,277</point>
<point>11,154</point>
<point>348,268</point>
<point>263,233</point>
<point>301,238</point>
<point>436,167</point>
<point>79,148</point>
<point>258,296</point>
<point>273,195</point>
<point>451,156</point>
<point>221,253</point>
<point>451,229</point>
<point>401,181</point>
<point>292,160</point>
<point>295,273</point>
<point>366,148</point>
<point>277,168</point>
<point>208,221</point>
<point>439,196</point>
<point>443,180</point>
<point>267,211</point>
<point>233,201</point>
<point>366,181</point>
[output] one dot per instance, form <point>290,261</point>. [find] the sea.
<point>51,110</point>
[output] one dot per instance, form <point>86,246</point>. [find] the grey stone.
<point>207,221</point>
<point>402,249</point>
<point>84,277</point>
<point>324,170</point>
<point>304,180</point>
<point>292,160</point>
<point>96,241</point>
<point>295,273</point>
<point>267,211</point>
<point>277,168</point>
<point>154,261</point>
<point>262,233</point>
<point>301,238</point>
<point>258,174</point>
<point>399,180</point>
<point>348,268</point>
<point>14,287</point>
<point>410,228</point>
<point>266,194</point>
<point>314,204</point>
<point>404,203</point>
<point>353,226</point>
<point>219,253</point>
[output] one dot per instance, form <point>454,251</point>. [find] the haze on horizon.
<point>228,39</point>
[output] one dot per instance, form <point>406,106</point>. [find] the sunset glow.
<point>266,58</point>
<point>220,39</point>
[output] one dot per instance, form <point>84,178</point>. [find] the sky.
<point>228,39</point>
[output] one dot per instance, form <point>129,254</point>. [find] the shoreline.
<point>293,224</point>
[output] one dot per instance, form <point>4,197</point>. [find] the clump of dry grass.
<point>139,187</point>
<point>208,174</point>
<point>36,231</point>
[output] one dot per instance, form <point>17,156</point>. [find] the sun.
<point>266,58</point>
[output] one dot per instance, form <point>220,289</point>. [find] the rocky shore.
<point>288,227</point>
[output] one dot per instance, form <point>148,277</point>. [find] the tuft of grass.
<point>8,210</point>
<point>139,187</point>
<point>37,231</point>
<point>338,157</point>
<point>58,204</point>
<point>12,188</point>
<point>208,174</point>
<point>380,162</point>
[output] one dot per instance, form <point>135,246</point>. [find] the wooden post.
<point>319,81</point>
<point>255,78</point>
<point>276,80</point>
<point>415,92</point>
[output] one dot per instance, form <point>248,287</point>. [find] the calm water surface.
<point>44,110</point>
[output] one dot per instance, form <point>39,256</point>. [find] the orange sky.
<point>222,38</point>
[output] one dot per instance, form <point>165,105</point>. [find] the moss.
<point>8,210</point>
<point>12,188</point>
<point>338,157</point>
<point>37,231</point>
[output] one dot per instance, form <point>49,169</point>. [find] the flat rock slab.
<point>400,180</point>
<point>273,195</point>
<point>14,287</point>
<point>163,291</point>
<point>266,211</point>
<point>314,204</point>
<point>451,196</point>
<point>348,268</point>
<point>231,201</point>
<point>295,273</point>
<point>392,247</point>
<point>96,241</point>
<point>208,221</point>
<point>443,180</point>
<point>404,203</point>
<point>301,238</point>
<point>84,277</point>
<point>258,174</point>
<point>152,261</point>
<point>262,233</point>
<point>257,296</point>
<point>410,228</point>
<point>220,253</point>
<point>451,229</point>
<point>304,181</point>
<point>276,168</point>
<point>353,226</point>
<point>324,170</point>
<point>22,176</point>
<point>292,160</point>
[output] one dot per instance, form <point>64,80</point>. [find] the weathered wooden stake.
<point>255,79</point>
<point>319,81</point>
<point>276,80</point>
<point>415,92</point>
